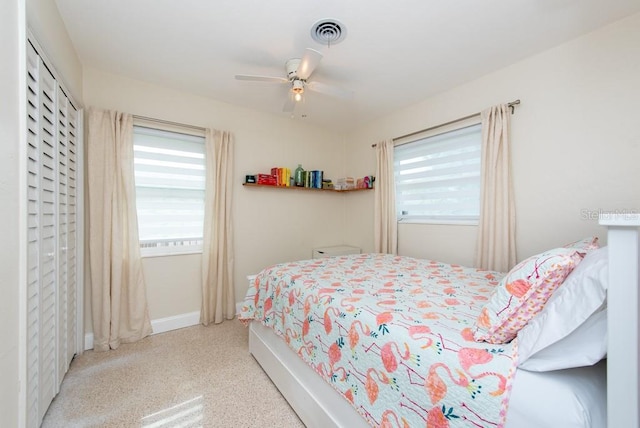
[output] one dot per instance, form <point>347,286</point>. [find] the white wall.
<point>47,26</point>
<point>270,225</point>
<point>575,140</point>
<point>12,27</point>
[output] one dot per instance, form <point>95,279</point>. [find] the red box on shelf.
<point>266,179</point>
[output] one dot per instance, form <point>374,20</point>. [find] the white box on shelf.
<point>338,250</point>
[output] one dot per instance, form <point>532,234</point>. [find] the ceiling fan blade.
<point>334,91</point>
<point>308,63</point>
<point>261,78</point>
<point>289,104</point>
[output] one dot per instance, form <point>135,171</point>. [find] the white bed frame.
<point>622,320</point>
<point>319,405</point>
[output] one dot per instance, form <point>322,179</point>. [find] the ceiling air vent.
<point>328,32</point>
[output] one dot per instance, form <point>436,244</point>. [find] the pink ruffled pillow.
<point>522,293</point>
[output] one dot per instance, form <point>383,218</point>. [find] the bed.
<point>380,340</point>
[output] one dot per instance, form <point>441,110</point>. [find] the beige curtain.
<point>118,295</point>
<point>385,222</point>
<point>496,248</point>
<point>218,299</point>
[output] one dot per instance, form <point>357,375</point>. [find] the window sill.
<point>145,255</point>
<point>440,222</point>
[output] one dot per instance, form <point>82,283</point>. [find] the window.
<point>438,177</point>
<point>170,176</point>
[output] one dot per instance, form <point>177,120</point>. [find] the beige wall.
<point>271,225</point>
<point>12,26</point>
<point>47,26</point>
<point>575,139</point>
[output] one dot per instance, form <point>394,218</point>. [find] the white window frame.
<point>169,246</point>
<point>427,138</point>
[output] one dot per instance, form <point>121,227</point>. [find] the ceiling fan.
<point>298,72</point>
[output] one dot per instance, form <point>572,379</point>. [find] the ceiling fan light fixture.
<point>328,32</point>
<point>298,87</point>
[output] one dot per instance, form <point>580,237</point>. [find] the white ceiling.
<point>395,54</point>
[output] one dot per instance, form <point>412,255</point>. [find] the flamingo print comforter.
<point>392,335</point>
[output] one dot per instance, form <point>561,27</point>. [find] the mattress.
<point>571,398</point>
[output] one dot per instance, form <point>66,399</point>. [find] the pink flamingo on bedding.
<point>306,324</point>
<point>328,325</point>
<point>347,303</point>
<point>435,386</point>
<point>468,358</point>
<point>421,332</point>
<point>354,337</point>
<point>382,319</point>
<point>334,354</point>
<point>467,334</point>
<point>437,419</point>
<point>307,303</point>
<point>390,420</point>
<point>349,395</point>
<point>268,304</point>
<point>293,295</point>
<point>518,288</point>
<point>389,359</point>
<point>339,373</point>
<point>371,386</point>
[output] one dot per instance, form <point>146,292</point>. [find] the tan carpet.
<point>193,377</point>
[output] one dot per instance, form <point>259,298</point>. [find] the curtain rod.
<point>168,122</point>
<point>511,105</point>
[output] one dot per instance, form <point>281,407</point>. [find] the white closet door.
<point>67,119</point>
<point>62,233</point>
<point>52,247</point>
<point>33,237</point>
<point>48,276</point>
<point>72,236</point>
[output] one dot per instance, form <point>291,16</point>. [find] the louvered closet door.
<point>66,232</point>
<point>71,236</point>
<point>62,232</point>
<point>33,238</point>
<point>48,276</point>
<point>52,256</point>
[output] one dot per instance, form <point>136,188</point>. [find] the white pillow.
<point>585,346</point>
<point>581,295</point>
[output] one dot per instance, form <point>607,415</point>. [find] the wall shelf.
<point>301,188</point>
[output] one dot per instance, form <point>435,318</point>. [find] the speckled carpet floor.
<point>193,377</point>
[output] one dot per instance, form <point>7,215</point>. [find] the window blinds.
<point>438,178</point>
<point>170,178</point>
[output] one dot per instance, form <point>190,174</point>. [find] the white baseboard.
<point>88,341</point>
<point>160,325</point>
<point>163,325</point>
<point>175,322</point>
